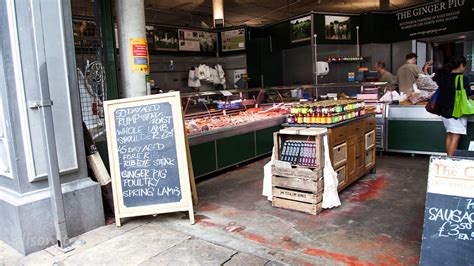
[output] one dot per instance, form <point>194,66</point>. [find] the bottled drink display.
<point>325,112</point>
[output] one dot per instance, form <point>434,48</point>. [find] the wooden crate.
<point>300,183</point>
<point>302,196</point>
<point>302,134</point>
<point>286,170</point>
<point>310,208</point>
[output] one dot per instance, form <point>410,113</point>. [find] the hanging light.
<point>218,13</point>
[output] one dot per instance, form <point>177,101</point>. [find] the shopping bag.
<point>330,195</point>
<point>462,104</point>
<point>433,105</point>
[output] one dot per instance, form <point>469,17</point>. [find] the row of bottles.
<point>326,112</point>
<point>344,58</point>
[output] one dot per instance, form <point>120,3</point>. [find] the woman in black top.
<point>455,127</point>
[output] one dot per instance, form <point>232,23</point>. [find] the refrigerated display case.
<point>226,128</point>
<point>411,129</point>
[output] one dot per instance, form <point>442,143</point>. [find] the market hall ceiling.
<point>196,13</point>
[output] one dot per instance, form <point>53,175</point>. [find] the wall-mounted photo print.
<point>337,28</point>
<point>165,39</point>
<point>300,29</point>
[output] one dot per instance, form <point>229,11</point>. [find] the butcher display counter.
<point>411,129</point>
<point>226,128</point>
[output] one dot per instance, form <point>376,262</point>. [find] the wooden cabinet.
<point>352,149</point>
<point>351,157</point>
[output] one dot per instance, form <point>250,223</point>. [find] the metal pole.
<point>57,204</point>
<point>358,46</point>
<point>44,106</point>
<point>131,24</point>
<point>315,58</point>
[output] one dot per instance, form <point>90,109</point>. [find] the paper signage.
<point>139,55</point>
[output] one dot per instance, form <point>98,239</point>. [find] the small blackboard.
<point>448,233</point>
<point>148,155</point>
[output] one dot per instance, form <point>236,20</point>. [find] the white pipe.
<point>131,24</point>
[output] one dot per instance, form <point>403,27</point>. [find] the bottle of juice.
<point>294,110</point>
<point>318,115</point>
<point>299,118</point>
<point>310,115</point>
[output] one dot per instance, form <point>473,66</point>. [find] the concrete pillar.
<point>131,24</point>
<point>37,53</point>
<point>218,13</point>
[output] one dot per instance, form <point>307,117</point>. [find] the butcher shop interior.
<point>279,97</point>
<point>303,132</point>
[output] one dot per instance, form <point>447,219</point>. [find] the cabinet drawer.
<point>370,140</point>
<point>356,128</point>
<point>341,175</point>
<point>370,124</point>
<point>370,158</point>
<point>339,154</point>
<point>338,135</point>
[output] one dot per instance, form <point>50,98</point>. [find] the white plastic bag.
<point>193,81</point>
<point>267,177</point>
<point>426,82</point>
<point>390,96</point>
<point>330,195</point>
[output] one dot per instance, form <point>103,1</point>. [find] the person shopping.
<point>455,127</point>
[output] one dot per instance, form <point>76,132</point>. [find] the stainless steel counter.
<point>411,129</point>
<point>412,113</point>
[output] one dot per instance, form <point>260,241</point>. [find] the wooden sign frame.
<point>447,228</point>
<point>186,203</point>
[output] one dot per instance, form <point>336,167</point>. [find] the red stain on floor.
<point>288,244</point>
<point>349,260</point>
<point>414,260</point>
<point>388,260</point>
<point>254,237</point>
<point>205,222</point>
<point>208,207</point>
<point>370,190</point>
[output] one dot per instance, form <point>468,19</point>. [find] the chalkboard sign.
<point>148,156</point>
<point>448,233</point>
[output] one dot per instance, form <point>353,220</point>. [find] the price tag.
<point>226,93</point>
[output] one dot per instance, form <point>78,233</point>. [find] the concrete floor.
<point>379,222</point>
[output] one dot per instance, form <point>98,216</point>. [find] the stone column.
<point>37,51</point>
<point>131,24</point>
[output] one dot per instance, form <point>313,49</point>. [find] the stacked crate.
<point>295,186</point>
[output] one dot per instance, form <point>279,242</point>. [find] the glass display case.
<point>226,128</point>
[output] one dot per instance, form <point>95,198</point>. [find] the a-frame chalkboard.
<point>148,156</point>
<point>448,233</point>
